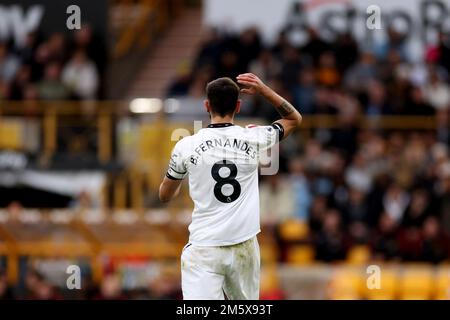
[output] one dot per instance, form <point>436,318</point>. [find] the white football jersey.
<point>222,164</point>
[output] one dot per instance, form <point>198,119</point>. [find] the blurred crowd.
<point>386,189</point>
<point>38,287</point>
<point>323,77</point>
<point>391,194</point>
<point>53,67</point>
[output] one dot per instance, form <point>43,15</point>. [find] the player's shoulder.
<point>184,142</point>
<point>254,129</point>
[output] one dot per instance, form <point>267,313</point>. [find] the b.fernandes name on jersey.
<point>227,143</point>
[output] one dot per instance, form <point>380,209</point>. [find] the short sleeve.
<point>268,136</point>
<point>177,165</point>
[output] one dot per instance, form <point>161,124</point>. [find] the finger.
<point>248,74</point>
<point>248,79</point>
<point>246,83</point>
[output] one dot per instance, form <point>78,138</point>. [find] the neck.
<point>218,119</point>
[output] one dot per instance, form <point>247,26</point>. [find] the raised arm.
<point>290,117</point>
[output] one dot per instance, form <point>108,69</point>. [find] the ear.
<point>207,106</point>
<point>238,106</point>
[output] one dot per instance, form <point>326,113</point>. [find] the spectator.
<point>437,92</point>
<point>199,81</point>
<point>81,76</point>
<point>86,40</point>
<point>110,288</point>
<point>291,66</point>
<point>377,103</point>
<point>229,65</point>
<point>315,46</point>
<point>249,46</point>
<point>355,210</point>
<point>164,287</point>
<point>358,175</point>
<point>57,47</point>
<point>9,64</point>
<point>6,292</point>
<point>209,49</point>
<point>443,125</point>
<point>435,246</point>
<point>21,81</point>
<point>304,91</point>
<point>418,209</point>
<point>38,288</point>
<point>441,52</point>
<point>360,74</point>
<point>4,90</point>
<point>26,52</point>
<point>347,50</point>
<point>180,85</point>
<point>444,197</point>
<point>395,41</point>
<point>51,87</point>
<point>384,241</point>
<point>300,188</point>
<point>327,73</point>
<point>417,104</point>
<point>395,201</point>
<point>277,200</point>
<point>330,241</point>
<point>267,67</point>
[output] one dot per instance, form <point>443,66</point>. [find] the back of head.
<point>223,95</point>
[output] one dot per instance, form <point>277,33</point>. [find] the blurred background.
<point>88,118</point>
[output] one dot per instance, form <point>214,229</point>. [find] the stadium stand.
<point>366,180</point>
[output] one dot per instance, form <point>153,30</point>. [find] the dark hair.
<point>222,94</point>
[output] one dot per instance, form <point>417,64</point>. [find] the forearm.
<point>284,108</point>
<point>169,189</point>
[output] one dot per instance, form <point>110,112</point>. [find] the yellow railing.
<point>153,139</point>
<point>81,239</point>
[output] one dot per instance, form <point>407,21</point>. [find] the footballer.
<point>222,256</point>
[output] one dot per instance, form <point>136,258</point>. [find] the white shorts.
<point>209,272</point>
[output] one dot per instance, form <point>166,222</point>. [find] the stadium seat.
<point>269,278</point>
<point>416,283</point>
<point>388,286</point>
<point>269,253</point>
<point>10,135</point>
<point>442,283</point>
<point>294,230</point>
<point>358,255</point>
<point>346,284</point>
<point>300,255</point>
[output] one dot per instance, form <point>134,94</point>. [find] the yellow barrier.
<point>153,140</point>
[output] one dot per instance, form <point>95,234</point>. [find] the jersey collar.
<point>220,125</point>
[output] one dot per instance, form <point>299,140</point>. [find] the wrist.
<point>265,91</point>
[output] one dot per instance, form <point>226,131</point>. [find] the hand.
<point>254,84</point>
